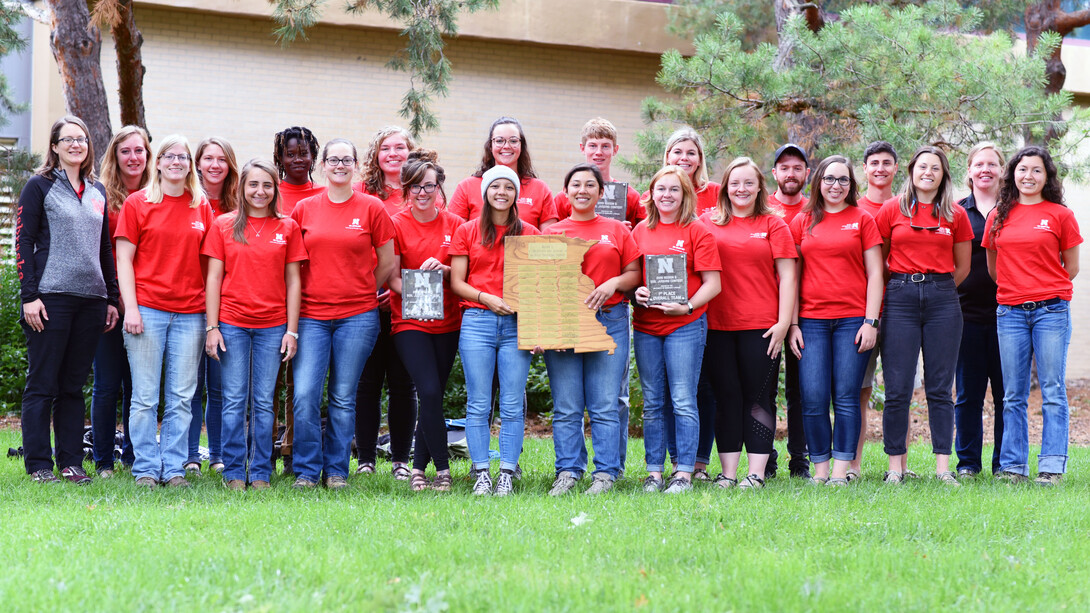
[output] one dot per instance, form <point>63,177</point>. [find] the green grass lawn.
<point>380,547</point>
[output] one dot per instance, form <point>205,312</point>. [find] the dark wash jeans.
<point>112,379</point>
<point>927,316</point>
<point>978,364</point>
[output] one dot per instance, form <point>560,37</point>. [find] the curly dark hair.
<point>1008,191</point>
<point>280,142</point>
<point>525,166</point>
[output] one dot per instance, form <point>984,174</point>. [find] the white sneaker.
<point>565,481</point>
<point>483,486</point>
<point>504,483</point>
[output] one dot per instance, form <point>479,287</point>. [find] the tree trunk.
<point>803,128</point>
<point>1049,16</point>
<point>130,66</point>
<point>76,46</point>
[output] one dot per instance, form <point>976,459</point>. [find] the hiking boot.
<point>44,475</point>
<point>483,486</point>
<point>678,485</point>
<point>303,484</point>
<point>505,484</point>
<point>652,484</point>
<point>964,474</point>
<point>1010,477</point>
<point>1048,479</point>
<point>75,474</point>
<point>751,482</point>
<point>601,484</point>
<point>178,481</point>
<point>565,481</point>
<point>147,482</point>
<point>336,482</point>
<point>237,485</point>
<point>260,485</point>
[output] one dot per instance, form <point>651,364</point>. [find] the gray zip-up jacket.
<point>63,241</point>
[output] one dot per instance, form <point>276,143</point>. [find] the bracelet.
<point>479,297</point>
<point>795,325</point>
<point>210,328</point>
<point>294,335</point>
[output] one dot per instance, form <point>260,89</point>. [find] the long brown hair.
<point>816,206</point>
<point>908,199</point>
<point>229,197</point>
<point>116,191</point>
<point>525,167</point>
<point>686,213</point>
<point>723,213</point>
<point>488,229</point>
<point>52,160</point>
<point>1008,191</point>
<point>374,180</point>
<point>242,214</point>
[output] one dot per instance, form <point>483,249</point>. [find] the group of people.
<point>184,275</point>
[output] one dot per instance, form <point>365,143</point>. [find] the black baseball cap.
<point>791,148</point>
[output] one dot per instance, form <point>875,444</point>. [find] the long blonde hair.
<point>111,167</point>
<point>687,212</point>
<point>723,213</point>
<point>192,181</point>
<point>700,177</point>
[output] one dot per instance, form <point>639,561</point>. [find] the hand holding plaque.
<point>421,294</point>
<point>666,278</point>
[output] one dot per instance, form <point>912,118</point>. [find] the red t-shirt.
<point>605,259</point>
<point>254,292</point>
<point>339,278</point>
<point>834,277</point>
<point>290,195</point>
<point>634,213</point>
<point>535,201</point>
<point>215,204</point>
<point>922,250</point>
<point>1027,264</point>
<point>788,211</point>
<point>748,249</point>
<point>871,207</point>
<point>485,270</point>
<point>698,245</point>
<point>707,199</point>
<point>167,236</point>
<point>111,219</point>
<point>393,203</point>
<point>415,242</point>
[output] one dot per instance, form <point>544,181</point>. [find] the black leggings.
<point>429,358</point>
<point>741,373</point>
<point>385,365</point>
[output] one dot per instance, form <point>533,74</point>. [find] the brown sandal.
<point>418,482</point>
<point>442,482</point>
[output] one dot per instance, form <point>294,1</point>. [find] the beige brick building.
<point>214,68</point>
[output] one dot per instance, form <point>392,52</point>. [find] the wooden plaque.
<point>543,280</point>
<point>667,279</point>
<point>421,294</point>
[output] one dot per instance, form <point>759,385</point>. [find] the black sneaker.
<point>44,476</point>
<point>75,474</point>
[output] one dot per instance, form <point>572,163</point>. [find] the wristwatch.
<point>294,335</point>
<point>872,322</point>
<point>690,307</point>
<point>210,328</point>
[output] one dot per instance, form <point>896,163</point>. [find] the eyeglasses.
<point>830,179</point>
<point>427,188</point>
<point>514,141</point>
<point>68,140</point>
<point>175,157</point>
<point>334,162</point>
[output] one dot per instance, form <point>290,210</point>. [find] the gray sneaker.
<point>483,486</point>
<point>602,483</point>
<point>565,481</point>
<point>678,485</point>
<point>505,483</point>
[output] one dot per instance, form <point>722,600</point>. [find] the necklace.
<point>256,231</point>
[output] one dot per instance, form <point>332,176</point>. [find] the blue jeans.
<point>705,408</point>
<point>209,376</point>
<point>589,381</point>
<point>1043,333</point>
<point>978,363</point>
<point>250,364</point>
<point>831,368</point>
<point>339,347</point>
<point>485,339</point>
<point>920,315</point>
<point>112,379</point>
<point>671,362</point>
<point>176,340</point>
